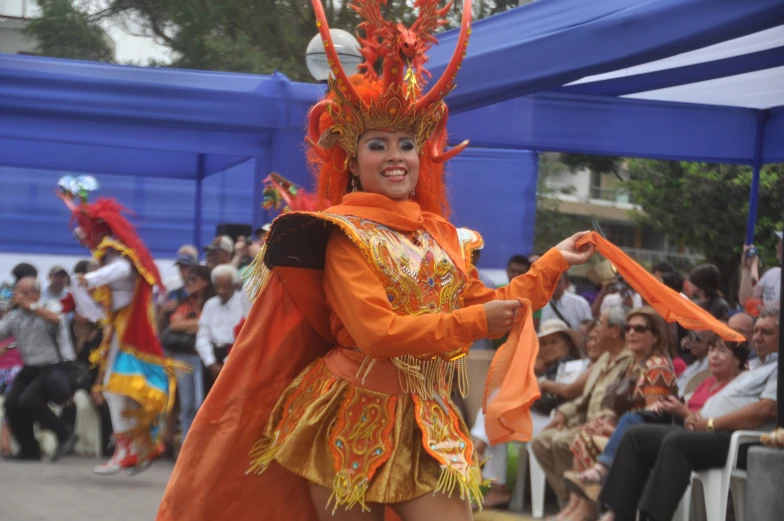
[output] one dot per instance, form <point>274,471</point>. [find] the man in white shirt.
<point>567,306</point>
<point>768,288</point>
<point>218,318</point>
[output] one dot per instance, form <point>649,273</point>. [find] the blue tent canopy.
<point>189,149</point>
<point>148,122</point>
<point>698,80</point>
<point>549,43</point>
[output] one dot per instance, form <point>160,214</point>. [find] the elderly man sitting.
<point>551,446</point>
<point>218,318</point>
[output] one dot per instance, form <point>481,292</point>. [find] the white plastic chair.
<point>717,483</point>
<point>538,482</point>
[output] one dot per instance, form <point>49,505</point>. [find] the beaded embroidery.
<point>316,382</point>
<point>360,442</point>
<point>419,278</point>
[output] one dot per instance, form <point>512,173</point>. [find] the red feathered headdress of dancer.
<point>103,218</point>
<point>396,101</point>
<point>282,195</point>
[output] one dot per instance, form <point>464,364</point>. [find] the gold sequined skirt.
<point>366,446</point>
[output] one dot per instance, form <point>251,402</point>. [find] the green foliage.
<point>598,164</point>
<point>251,36</point>
<point>552,226</point>
<point>66,31</point>
<point>705,207</point>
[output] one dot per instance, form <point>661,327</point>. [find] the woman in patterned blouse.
<point>649,339</point>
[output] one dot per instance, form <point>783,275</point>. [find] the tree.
<point>66,31</point>
<point>251,36</point>
<point>705,207</point>
<point>598,164</point>
<point>552,226</point>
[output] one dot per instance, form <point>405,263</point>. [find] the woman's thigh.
<point>320,497</point>
<point>434,506</point>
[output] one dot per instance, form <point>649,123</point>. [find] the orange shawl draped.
<point>668,303</point>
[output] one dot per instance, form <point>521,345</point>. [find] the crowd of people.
<point>618,384</point>
<point>632,405</point>
<point>197,320</point>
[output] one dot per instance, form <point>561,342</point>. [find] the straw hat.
<point>554,325</point>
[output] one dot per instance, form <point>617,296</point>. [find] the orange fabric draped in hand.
<point>668,303</point>
<point>511,386</point>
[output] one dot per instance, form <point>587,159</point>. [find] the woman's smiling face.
<point>387,163</point>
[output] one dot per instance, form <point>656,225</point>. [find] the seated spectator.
<point>566,306</point>
<point>260,234</point>
<point>706,280</point>
<point>551,446</point>
<point>219,251</point>
<point>58,283</point>
<point>187,260</point>
<point>179,341</point>
<point>727,360</point>
<point>648,338</point>
<point>42,340</point>
<point>697,344</point>
<point>585,326</point>
<point>517,265</point>
<point>559,361</point>
<point>767,289</point>
<point>218,318</point>
<point>23,270</point>
<point>616,293</point>
<point>653,465</point>
<point>572,389</point>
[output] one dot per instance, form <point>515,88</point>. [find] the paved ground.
<point>68,491</point>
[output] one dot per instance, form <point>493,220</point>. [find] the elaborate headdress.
<point>393,102</point>
<point>282,195</point>
<point>103,218</point>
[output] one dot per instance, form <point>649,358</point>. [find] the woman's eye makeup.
<point>407,145</point>
<point>376,144</point>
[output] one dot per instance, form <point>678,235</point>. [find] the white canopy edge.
<point>756,90</point>
<point>760,41</point>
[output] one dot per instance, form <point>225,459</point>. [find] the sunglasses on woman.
<point>636,328</point>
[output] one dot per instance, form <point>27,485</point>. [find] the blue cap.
<point>186,260</point>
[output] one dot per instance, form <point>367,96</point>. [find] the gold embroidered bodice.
<point>419,277</point>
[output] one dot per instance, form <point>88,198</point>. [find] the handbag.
<point>178,341</point>
<point>619,396</point>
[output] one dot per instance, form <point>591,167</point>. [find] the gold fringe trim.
<point>469,484</point>
<point>347,494</point>
<point>259,274</point>
<point>430,378</point>
<point>262,454</point>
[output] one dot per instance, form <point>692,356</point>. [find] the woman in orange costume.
<point>335,399</point>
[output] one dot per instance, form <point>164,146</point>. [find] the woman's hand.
<point>673,406</point>
<point>571,253</point>
<point>500,316</point>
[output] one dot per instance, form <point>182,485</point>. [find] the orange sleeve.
<point>537,285</point>
<point>358,299</point>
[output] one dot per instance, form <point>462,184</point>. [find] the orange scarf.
<point>668,303</point>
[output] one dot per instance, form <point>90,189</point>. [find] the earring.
<point>413,192</point>
<point>353,183</point>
